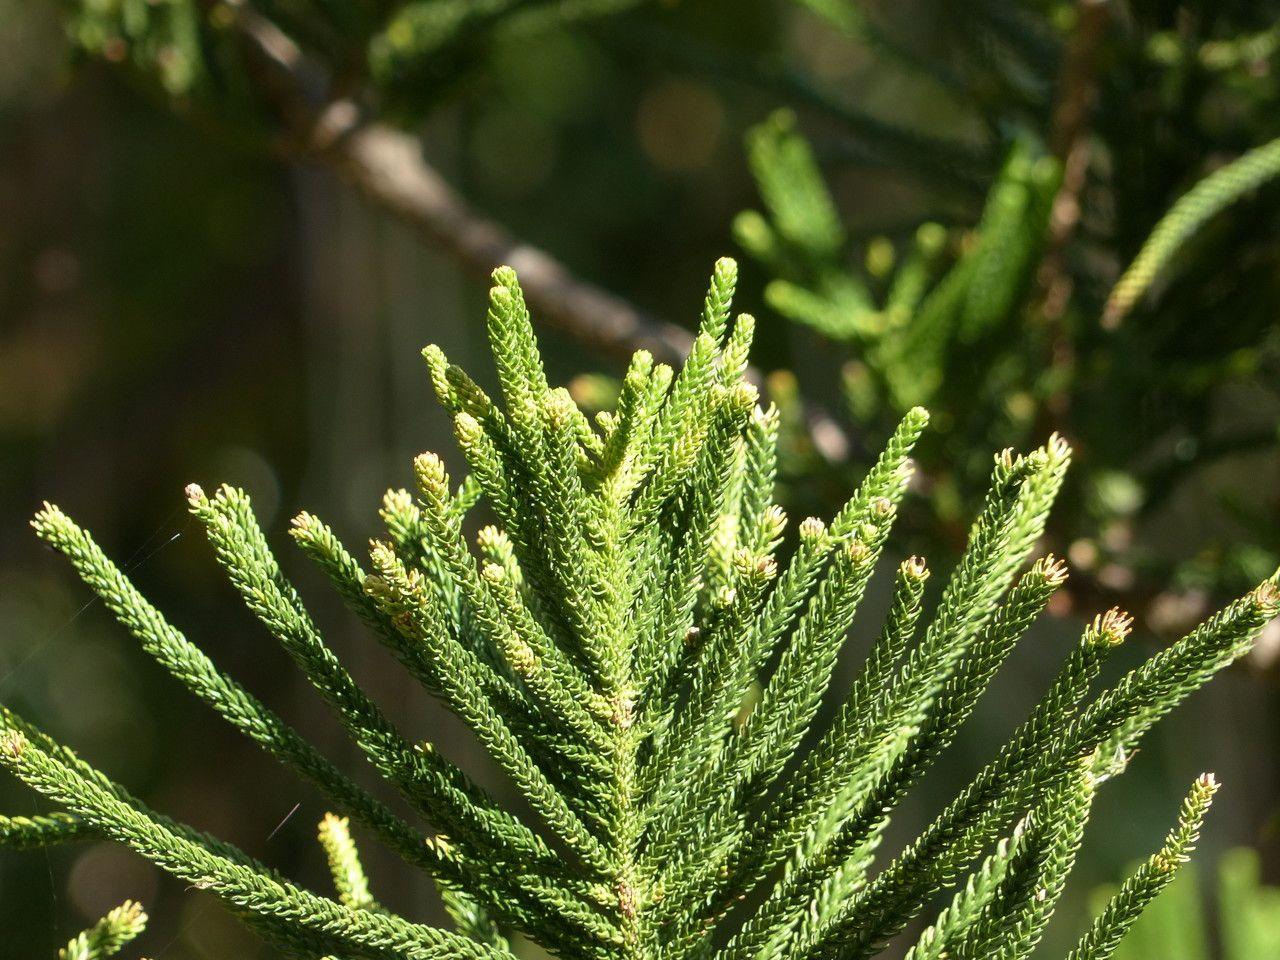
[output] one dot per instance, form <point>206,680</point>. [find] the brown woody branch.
<point>387,166</point>
<point>1068,141</point>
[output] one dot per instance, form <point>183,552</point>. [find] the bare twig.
<point>387,166</point>
<point>1068,142</point>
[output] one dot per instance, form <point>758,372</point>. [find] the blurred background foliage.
<point>999,312</point>
<point>947,193</point>
<point>1245,924</point>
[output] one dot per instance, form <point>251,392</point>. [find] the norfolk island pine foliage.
<point>634,655</point>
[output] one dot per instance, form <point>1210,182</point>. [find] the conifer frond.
<point>1200,204</point>
<point>909,318</point>
<point>344,863</point>
<point>1100,942</point>
<point>43,830</point>
<point>643,650</point>
<point>106,937</point>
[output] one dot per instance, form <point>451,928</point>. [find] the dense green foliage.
<point>638,659</point>
<point>1112,258</point>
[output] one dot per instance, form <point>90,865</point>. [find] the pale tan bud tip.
<point>490,536</point>
<point>811,528</point>
<point>1113,626</point>
<point>47,516</point>
<point>397,501</point>
<point>1037,460</point>
<point>13,743</point>
<point>467,428</point>
<point>1267,596</point>
<point>915,568</point>
<point>194,493</point>
<point>857,552</point>
<point>431,473</point>
<point>775,519</point>
<point>133,913</point>
<point>744,396</point>
<point>1207,781</point>
<point>381,553</point>
<point>435,357</point>
<point>882,507</point>
<point>330,824</point>
<point>560,406</point>
<point>304,524</point>
<point>562,397</point>
<point>747,564</point>
<point>1054,570</point>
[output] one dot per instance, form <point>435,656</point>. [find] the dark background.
<point>174,307</point>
